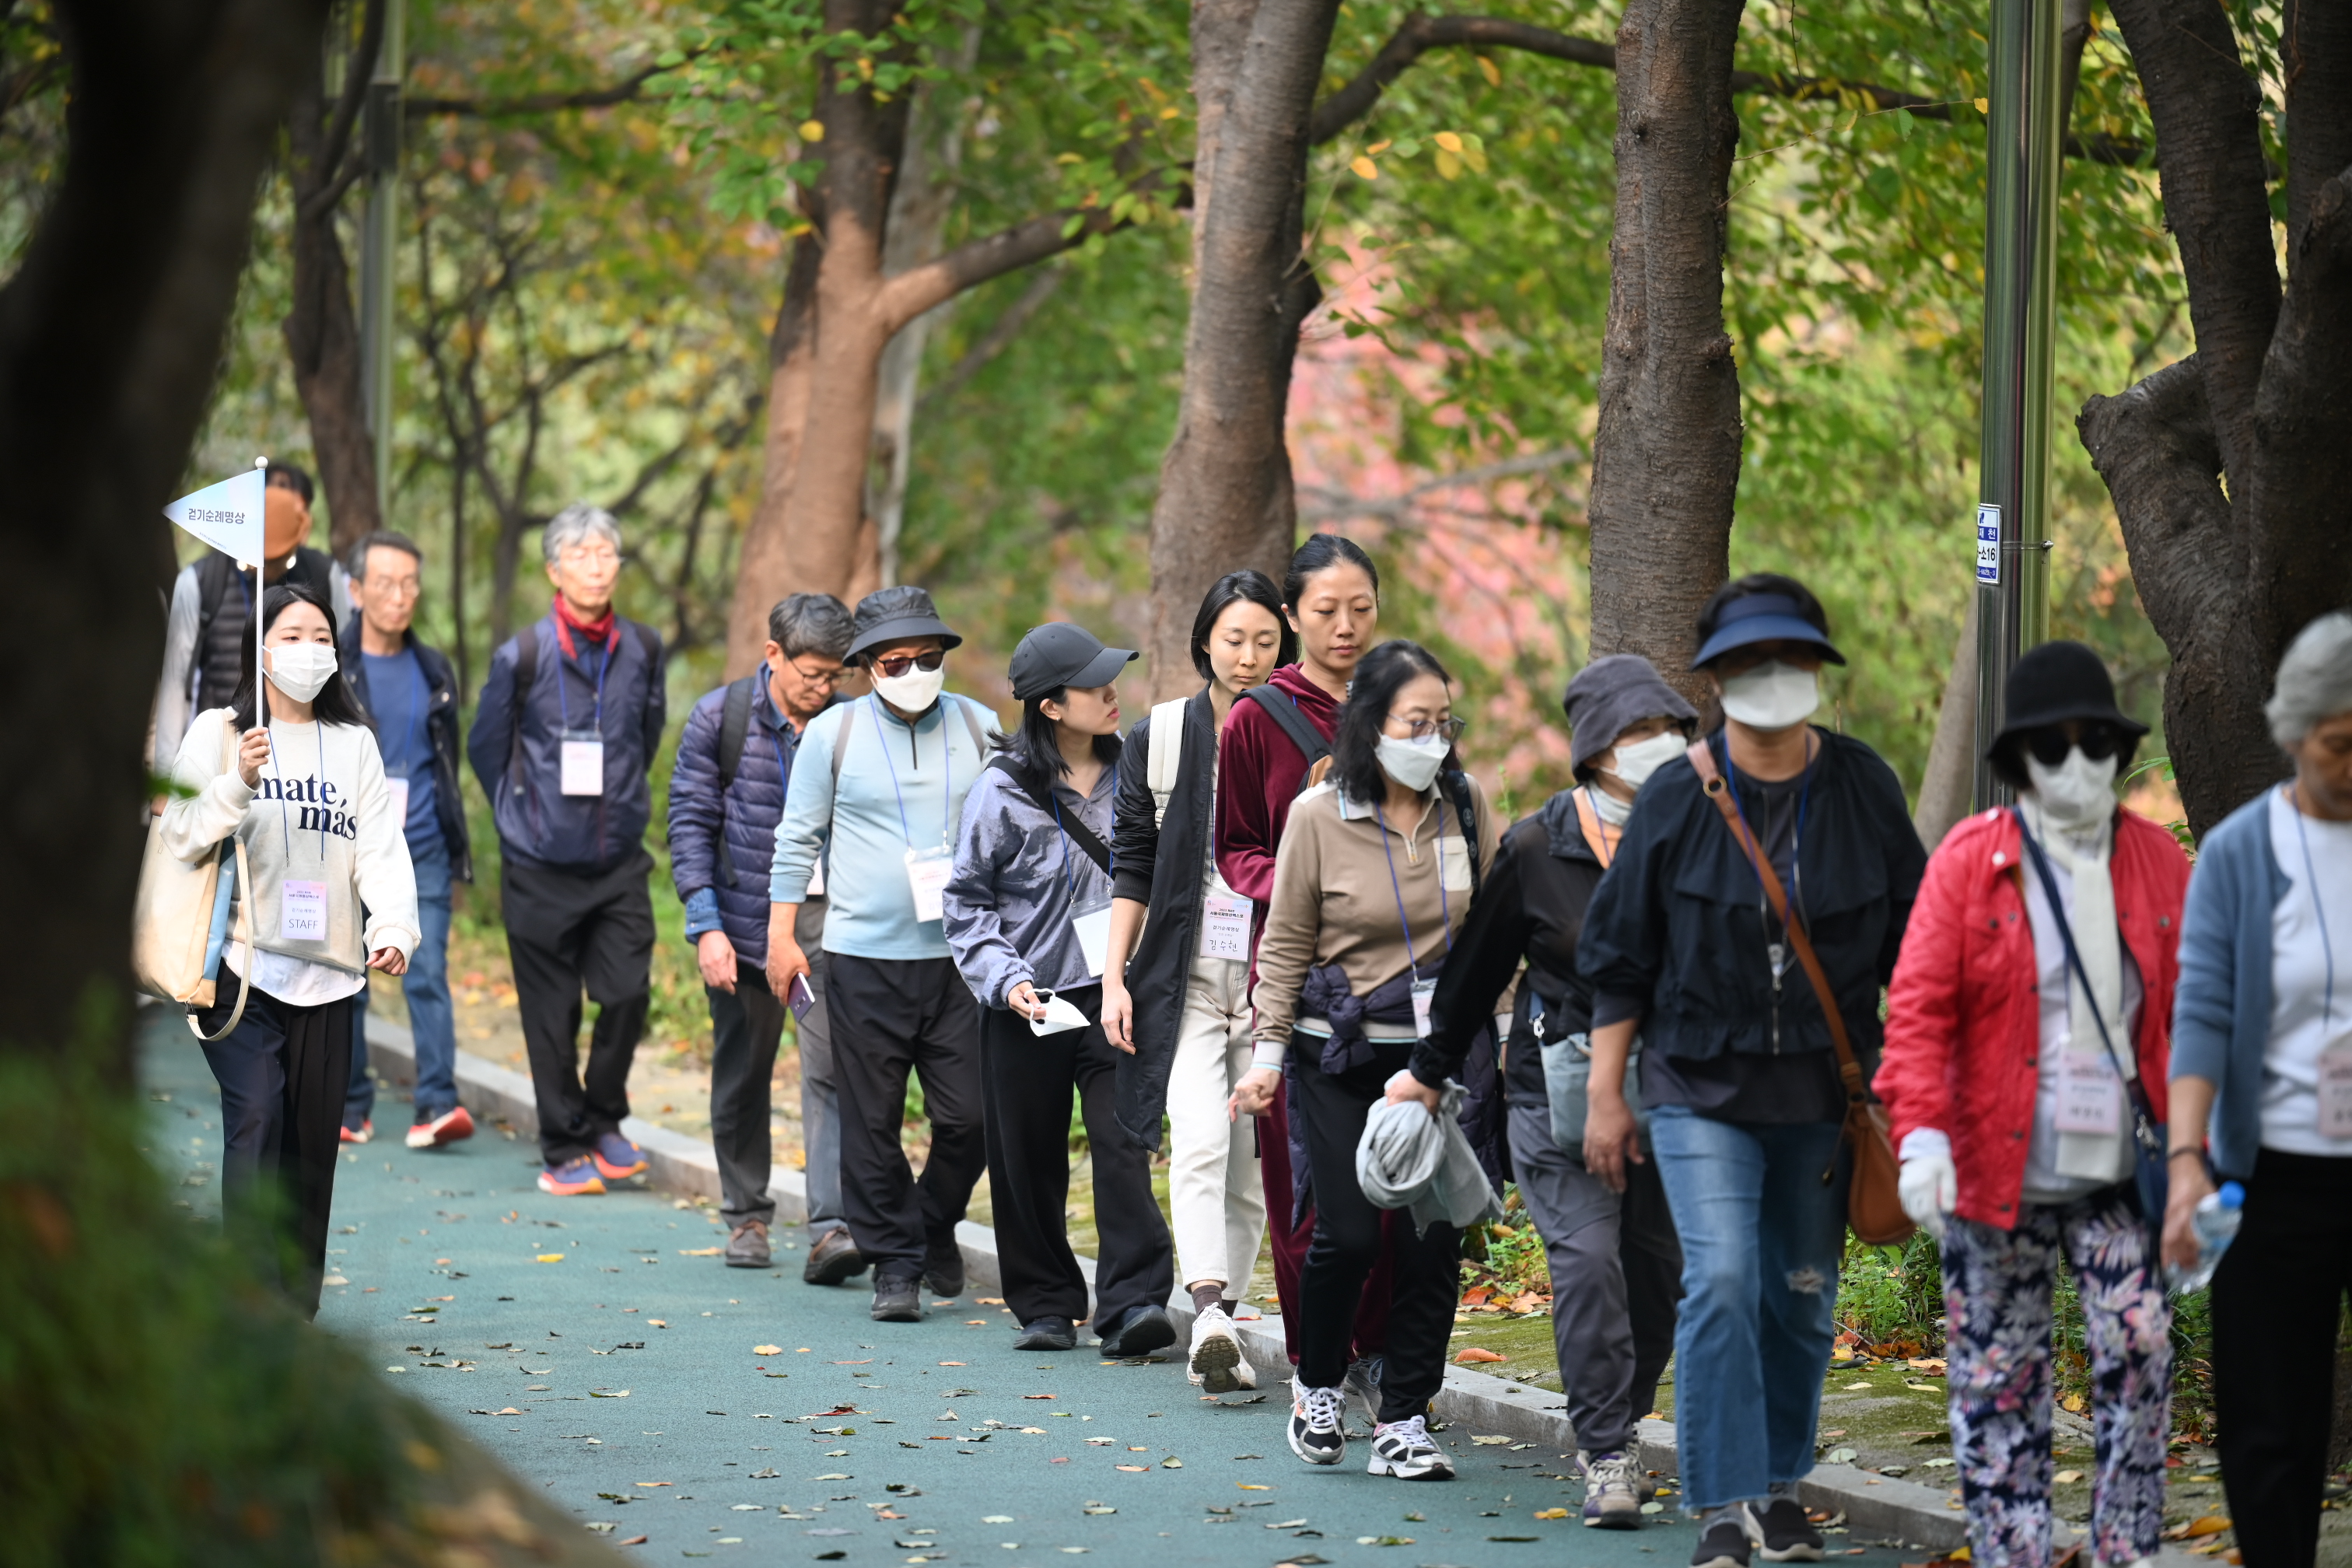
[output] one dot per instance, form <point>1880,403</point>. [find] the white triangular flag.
<point>228,516</point>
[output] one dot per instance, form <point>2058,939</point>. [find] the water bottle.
<point>2215,1224</point>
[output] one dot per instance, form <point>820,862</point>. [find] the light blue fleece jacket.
<point>902,786</point>
<point>2221,1006</point>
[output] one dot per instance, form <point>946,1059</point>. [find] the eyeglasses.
<point>1447,730</point>
<point>895,665</point>
<point>817,677</point>
<point>2050,744</point>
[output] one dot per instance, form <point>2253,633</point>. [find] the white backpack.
<point>1167,747</point>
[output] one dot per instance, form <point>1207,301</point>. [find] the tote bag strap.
<point>241,876</point>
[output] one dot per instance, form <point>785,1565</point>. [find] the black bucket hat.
<point>2053,682</point>
<point>895,615</point>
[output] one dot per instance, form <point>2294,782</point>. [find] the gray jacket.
<point>1411,1160</point>
<point>1017,880</point>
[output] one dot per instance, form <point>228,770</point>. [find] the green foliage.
<point>1891,1298</point>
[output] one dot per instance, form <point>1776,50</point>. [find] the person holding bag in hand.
<point>307,796</point>
<point>2026,1025</point>
<point>1753,910</point>
<point>1028,919</point>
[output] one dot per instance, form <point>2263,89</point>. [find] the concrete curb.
<point>1876,1507</point>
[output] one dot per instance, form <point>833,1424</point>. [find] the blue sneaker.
<point>573,1179</point>
<point>618,1159</point>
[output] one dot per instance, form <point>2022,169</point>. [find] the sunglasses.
<point>897,664</point>
<point>2050,743</point>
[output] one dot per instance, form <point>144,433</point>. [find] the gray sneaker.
<point>1613,1499</point>
<point>1362,1387</point>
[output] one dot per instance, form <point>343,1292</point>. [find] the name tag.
<point>1224,926</point>
<point>1094,938</point>
<point>399,788</point>
<point>583,767</point>
<point>816,880</point>
<point>302,911</point>
<point>926,878</point>
<point>2089,1098</point>
<point>1424,992</point>
<point>1453,864</point>
<point>2335,1090</point>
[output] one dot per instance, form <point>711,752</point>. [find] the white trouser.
<point>1214,1189</point>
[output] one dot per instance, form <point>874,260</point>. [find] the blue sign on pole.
<point>1989,543</point>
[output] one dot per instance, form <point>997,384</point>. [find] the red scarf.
<point>602,631</point>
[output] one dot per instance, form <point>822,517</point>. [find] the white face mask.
<point>1413,763</point>
<point>1773,696</point>
<point>302,669</point>
<point>913,692</point>
<point>1637,760</point>
<point>2077,794</point>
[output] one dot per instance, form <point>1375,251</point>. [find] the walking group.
<point>1706,1008</point>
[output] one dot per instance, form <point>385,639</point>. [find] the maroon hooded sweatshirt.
<point>1259,770</point>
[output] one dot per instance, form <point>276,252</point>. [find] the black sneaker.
<point>1047,1334</point>
<point>1722,1544</point>
<point>834,1259</point>
<point>1781,1531</point>
<point>1139,1332</point>
<point>943,1270</point>
<point>895,1299</point>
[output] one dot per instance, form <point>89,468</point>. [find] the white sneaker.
<point>1317,1435</point>
<point>1362,1385</point>
<point>1406,1450</point>
<point>1611,1499</point>
<point>1217,1362</point>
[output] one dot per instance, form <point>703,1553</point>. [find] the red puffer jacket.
<point>1964,1014</point>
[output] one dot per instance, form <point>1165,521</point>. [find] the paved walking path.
<point>737,1413</point>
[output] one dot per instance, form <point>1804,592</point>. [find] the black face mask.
<point>2050,745</point>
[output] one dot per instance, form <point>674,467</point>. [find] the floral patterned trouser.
<point>1997,1287</point>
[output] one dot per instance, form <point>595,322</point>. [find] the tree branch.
<point>357,74</point>
<point>999,337</point>
<point>1338,506</point>
<point>622,92</point>
<point>2154,445</point>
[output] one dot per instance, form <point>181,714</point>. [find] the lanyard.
<point>1796,848</point>
<point>1437,841</point>
<point>564,704</point>
<point>1597,835</point>
<point>947,777</point>
<point>2310,882</point>
<point>417,700</point>
<point>283,822</point>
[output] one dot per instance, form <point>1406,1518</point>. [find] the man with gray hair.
<point>734,762</point>
<point>568,720</point>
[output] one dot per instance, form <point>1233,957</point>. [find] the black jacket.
<point>440,726</point>
<point>1676,927</point>
<point>1161,866</point>
<point>1532,906</point>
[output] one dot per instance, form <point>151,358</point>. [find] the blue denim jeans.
<point>431,1021</point>
<point>1761,1237</point>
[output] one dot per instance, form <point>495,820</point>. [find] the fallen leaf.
<point>996,1519</point>
<point>1841,1456</point>
<point>1489,1442</point>
<point>551,1257</point>
<point>1025,1396</point>
<point>1476,1355</point>
<point>1171,1463</point>
<point>1099,1509</point>
<point>1134,1469</point>
<point>1251,1487</point>
<point>635,1541</point>
<point>989,1301</point>
<point>699,1251</point>
<point>1551,1513</point>
<point>656,1483</point>
<point>952,1363</point>
<point>655,1322</point>
<point>767,1350</point>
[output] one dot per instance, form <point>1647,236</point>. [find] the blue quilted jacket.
<point>745,817</point>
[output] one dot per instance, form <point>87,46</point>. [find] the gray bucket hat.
<point>895,615</point>
<point>1610,693</point>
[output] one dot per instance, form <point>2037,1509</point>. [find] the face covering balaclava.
<point>913,692</point>
<point>1413,763</point>
<point>1773,696</point>
<point>302,669</point>
<point>2077,795</point>
<point>1637,760</point>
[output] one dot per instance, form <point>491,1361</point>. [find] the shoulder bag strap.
<point>241,874</point>
<point>1167,751</point>
<point>1465,811</point>
<point>526,676</point>
<point>1702,760</point>
<point>1072,823</point>
<point>1286,717</point>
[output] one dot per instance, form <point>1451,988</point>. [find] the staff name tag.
<point>399,788</point>
<point>2090,1099</point>
<point>1424,992</point>
<point>1224,926</point>
<point>926,878</point>
<point>583,767</point>
<point>1094,939</point>
<point>2335,1090</point>
<point>1453,865</point>
<point>302,911</point>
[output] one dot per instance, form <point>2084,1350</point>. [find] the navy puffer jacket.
<point>744,818</point>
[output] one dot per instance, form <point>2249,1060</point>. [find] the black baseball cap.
<point>1060,654</point>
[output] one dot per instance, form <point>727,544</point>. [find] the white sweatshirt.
<point>321,826</point>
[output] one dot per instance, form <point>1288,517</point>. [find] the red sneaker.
<point>446,1128</point>
<point>361,1133</point>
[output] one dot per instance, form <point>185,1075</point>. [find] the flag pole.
<point>261,563</point>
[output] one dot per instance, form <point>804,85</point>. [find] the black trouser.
<point>745,1030</point>
<point>1427,1268</point>
<point>2278,1297</point>
<point>888,1016</point>
<point>1027,1080</point>
<point>282,1071</point>
<point>566,932</point>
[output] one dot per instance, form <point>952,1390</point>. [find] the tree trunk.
<point>1947,786</point>
<point>1226,498</point>
<point>111,333</point>
<point>1665,454</point>
<point>764,565</point>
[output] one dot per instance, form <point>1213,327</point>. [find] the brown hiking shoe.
<point>748,1248</point>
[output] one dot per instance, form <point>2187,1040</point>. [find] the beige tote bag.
<point>171,923</point>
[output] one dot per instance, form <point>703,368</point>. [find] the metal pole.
<point>2022,134</point>
<point>378,246</point>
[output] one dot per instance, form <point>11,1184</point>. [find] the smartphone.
<point>799,999</point>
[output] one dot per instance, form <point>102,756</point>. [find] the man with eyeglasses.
<point>568,720</point>
<point>734,762</point>
<point>410,694</point>
<point>878,794</point>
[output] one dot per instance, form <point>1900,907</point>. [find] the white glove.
<point>1928,1184</point>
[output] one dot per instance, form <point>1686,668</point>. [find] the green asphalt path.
<point>584,1342</point>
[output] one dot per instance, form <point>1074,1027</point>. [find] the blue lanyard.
<point>564,704</point>
<point>284,826</point>
<point>1437,842</point>
<point>2310,882</point>
<point>947,776</point>
<point>1796,849</point>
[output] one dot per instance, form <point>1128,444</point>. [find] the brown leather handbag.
<point>1873,1202</point>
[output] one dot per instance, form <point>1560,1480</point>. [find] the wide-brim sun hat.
<point>2056,681</point>
<point>1612,694</point>
<point>896,615</point>
<point>1059,655</point>
<point>1761,617</point>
